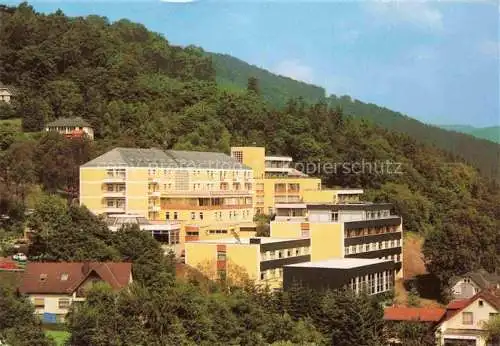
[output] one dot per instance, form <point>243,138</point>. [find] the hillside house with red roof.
<point>53,286</point>
<point>465,319</point>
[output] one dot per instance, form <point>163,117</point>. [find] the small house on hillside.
<point>7,93</point>
<point>465,320</point>
<point>471,283</point>
<point>71,127</point>
<point>53,286</point>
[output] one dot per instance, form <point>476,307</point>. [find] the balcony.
<point>114,179</point>
<point>207,193</point>
<point>114,209</point>
<point>154,193</point>
<point>113,194</point>
<point>153,180</point>
<point>154,208</point>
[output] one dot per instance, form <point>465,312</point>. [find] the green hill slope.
<point>233,74</point>
<point>491,133</point>
<point>137,90</point>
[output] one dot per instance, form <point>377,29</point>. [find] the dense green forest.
<point>233,73</point>
<point>491,133</point>
<point>139,90</point>
<point>160,309</point>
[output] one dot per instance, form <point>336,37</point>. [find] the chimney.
<point>86,268</point>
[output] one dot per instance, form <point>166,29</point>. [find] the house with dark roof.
<point>469,284</point>
<point>53,286</point>
<point>7,93</point>
<point>75,127</point>
<point>465,319</point>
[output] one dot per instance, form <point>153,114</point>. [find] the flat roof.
<point>330,205</point>
<point>263,240</point>
<point>340,263</point>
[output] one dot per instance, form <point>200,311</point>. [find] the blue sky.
<point>437,61</point>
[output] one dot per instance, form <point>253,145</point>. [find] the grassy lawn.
<point>16,122</point>
<point>60,336</point>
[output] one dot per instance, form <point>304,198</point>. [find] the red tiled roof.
<point>457,304</point>
<point>413,314</point>
<point>116,274</point>
<point>455,307</point>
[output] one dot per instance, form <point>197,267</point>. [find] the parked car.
<point>20,257</point>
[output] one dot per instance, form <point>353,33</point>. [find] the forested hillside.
<point>480,153</point>
<point>138,90</point>
<point>491,133</point>
<point>233,74</point>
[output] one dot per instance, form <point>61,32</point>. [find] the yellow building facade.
<point>210,194</point>
<point>357,230</point>
<point>275,180</point>
<point>259,260</point>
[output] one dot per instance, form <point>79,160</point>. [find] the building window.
<point>297,252</point>
<point>289,253</point>
<point>493,315</point>
<point>193,215</point>
<point>263,275</point>
<point>175,215</point>
<point>280,254</point>
<point>238,156</point>
<point>39,302</point>
<point>467,318</point>
<point>481,303</point>
<point>221,256</point>
<point>201,215</point>
<point>110,188</point>
<point>335,216</point>
<point>63,303</point>
<point>167,215</point>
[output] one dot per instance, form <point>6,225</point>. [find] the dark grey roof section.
<point>157,158</point>
<point>481,277</point>
<point>69,122</point>
<point>9,88</point>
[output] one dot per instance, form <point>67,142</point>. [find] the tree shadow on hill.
<point>428,286</point>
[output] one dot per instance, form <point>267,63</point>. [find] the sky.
<point>437,61</point>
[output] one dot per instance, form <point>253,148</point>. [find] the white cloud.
<point>295,69</point>
<point>419,13</point>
